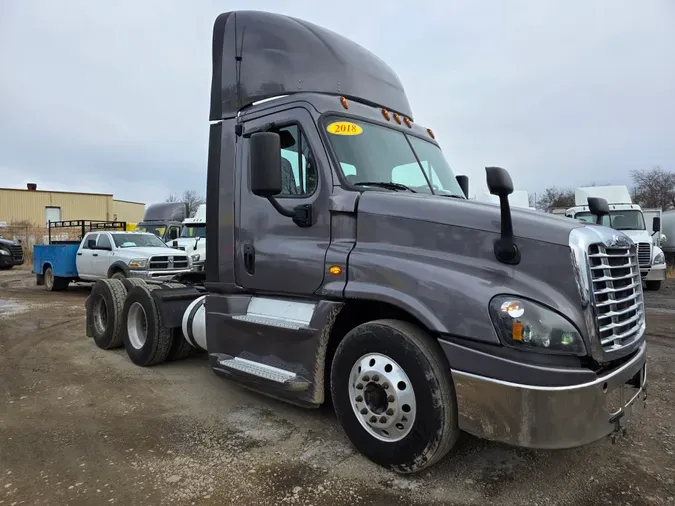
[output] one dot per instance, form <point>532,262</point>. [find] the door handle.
<point>79,254</point>
<point>94,254</point>
<point>249,258</point>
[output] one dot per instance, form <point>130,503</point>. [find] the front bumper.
<point>654,273</point>
<point>164,275</point>
<point>8,260</point>
<point>551,417</point>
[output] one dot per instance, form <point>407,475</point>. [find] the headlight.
<point>660,259</point>
<point>195,257</point>
<point>138,263</point>
<point>4,252</point>
<point>526,325</point>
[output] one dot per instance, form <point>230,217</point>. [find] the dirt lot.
<point>79,425</point>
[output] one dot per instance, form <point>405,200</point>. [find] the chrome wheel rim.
<point>137,325</point>
<point>100,313</point>
<point>382,397</point>
<point>49,278</point>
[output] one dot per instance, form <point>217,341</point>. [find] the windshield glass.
<point>620,220</point>
<point>370,153</point>
<point>194,230</point>
<point>158,230</point>
<point>137,240</point>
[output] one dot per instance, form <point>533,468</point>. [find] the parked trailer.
<point>421,312</point>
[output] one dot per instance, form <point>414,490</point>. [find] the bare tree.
<point>192,198</point>
<point>654,187</point>
<point>555,197</point>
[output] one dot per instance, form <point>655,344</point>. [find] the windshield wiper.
<point>390,185</point>
<point>451,195</point>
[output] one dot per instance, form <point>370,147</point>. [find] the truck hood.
<point>469,214</point>
<point>638,235</point>
<point>5,242</point>
<point>146,252</point>
<point>188,243</point>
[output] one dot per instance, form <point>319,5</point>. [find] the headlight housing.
<point>527,325</point>
<point>4,252</point>
<point>195,257</point>
<point>138,263</point>
<point>660,258</point>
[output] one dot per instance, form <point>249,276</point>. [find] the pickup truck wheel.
<point>394,396</point>
<point>54,283</point>
<point>653,285</point>
<point>105,305</point>
<point>147,342</point>
<point>118,275</point>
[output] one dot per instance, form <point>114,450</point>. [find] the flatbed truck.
<point>357,272</point>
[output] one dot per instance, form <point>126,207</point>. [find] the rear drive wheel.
<point>394,396</point>
<point>104,308</point>
<point>653,285</point>
<point>129,283</point>
<point>147,342</point>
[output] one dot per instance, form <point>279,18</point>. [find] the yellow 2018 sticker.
<point>344,128</point>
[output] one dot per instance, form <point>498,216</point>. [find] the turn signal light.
<point>335,270</point>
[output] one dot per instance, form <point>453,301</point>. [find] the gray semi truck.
<point>346,265</point>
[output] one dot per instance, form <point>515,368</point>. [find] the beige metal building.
<point>39,206</point>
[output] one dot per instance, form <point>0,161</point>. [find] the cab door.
<point>273,254</point>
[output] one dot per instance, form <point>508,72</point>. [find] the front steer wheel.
<point>394,396</point>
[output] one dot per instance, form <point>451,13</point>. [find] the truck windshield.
<point>391,159</point>
<point>618,220</point>
<point>138,241</point>
<point>158,230</point>
<point>194,230</point>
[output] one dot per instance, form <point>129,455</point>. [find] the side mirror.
<point>656,224</point>
<point>499,183</point>
<point>463,182</point>
<point>598,207</point>
<point>265,164</point>
<point>91,243</point>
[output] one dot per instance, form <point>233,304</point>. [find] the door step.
<point>270,321</point>
<point>288,379</point>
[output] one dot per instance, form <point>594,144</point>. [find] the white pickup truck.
<point>105,254</point>
<point>128,254</point>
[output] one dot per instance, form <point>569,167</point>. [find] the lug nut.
<point>385,385</point>
<point>376,378</point>
<point>364,411</point>
<point>366,378</point>
<point>359,399</point>
<point>383,419</point>
<point>359,386</point>
<point>390,411</point>
<point>390,398</point>
<point>373,419</point>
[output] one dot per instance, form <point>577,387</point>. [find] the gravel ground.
<point>79,425</point>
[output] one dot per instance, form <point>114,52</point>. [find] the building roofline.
<point>57,191</point>
<point>129,202</point>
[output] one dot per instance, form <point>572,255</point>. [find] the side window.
<point>104,241</point>
<point>87,238</point>
<point>298,164</point>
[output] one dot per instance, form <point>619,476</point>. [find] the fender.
<point>117,266</point>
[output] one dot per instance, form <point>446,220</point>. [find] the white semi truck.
<point>629,218</point>
<point>192,239</point>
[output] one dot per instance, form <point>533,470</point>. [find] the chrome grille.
<point>617,294</point>
<point>168,262</point>
<point>644,253</point>
<point>17,251</point>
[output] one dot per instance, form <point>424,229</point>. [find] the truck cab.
<point>628,218</point>
<point>347,264</point>
<point>163,219</point>
<point>11,253</point>
<point>192,239</point>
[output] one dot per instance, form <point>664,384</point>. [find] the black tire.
<point>54,283</point>
<point>653,285</point>
<point>104,307</point>
<point>434,430</point>
<point>147,342</point>
<point>118,275</point>
<point>129,283</point>
<point>6,267</point>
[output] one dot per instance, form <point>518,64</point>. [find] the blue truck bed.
<point>61,258</point>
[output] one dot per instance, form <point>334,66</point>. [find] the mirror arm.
<point>281,209</point>
<point>505,249</point>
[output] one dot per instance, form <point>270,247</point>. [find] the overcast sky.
<point>113,96</point>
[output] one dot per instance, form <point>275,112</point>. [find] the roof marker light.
<point>385,113</point>
<point>431,134</point>
<point>344,102</point>
<point>407,122</point>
